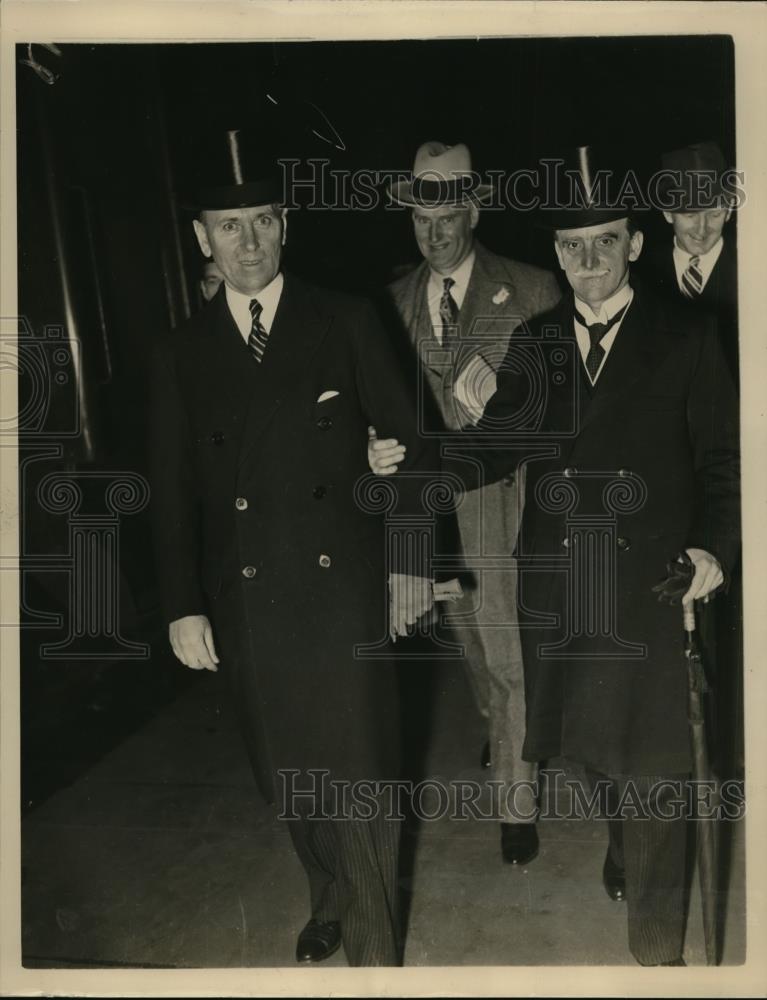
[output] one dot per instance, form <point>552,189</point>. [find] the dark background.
<point>105,153</point>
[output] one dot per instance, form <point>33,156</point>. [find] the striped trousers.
<point>652,852</point>
<point>352,866</point>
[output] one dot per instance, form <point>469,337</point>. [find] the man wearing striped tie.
<point>273,560</point>
<point>697,194</point>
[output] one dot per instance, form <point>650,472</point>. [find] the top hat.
<point>697,177</point>
<point>235,171</point>
<point>442,175</point>
<point>585,187</point>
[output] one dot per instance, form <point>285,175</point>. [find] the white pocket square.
<point>328,394</point>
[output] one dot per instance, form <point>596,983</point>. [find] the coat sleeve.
<point>388,395</point>
<point>712,417</point>
<point>175,500</point>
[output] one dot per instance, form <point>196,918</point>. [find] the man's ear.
<point>669,218</point>
<point>473,215</point>
<point>202,237</point>
<point>635,244</point>
<point>284,226</point>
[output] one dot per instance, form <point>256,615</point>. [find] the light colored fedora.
<point>442,175</point>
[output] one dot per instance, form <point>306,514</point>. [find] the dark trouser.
<point>652,852</point>
<point>352,866</point>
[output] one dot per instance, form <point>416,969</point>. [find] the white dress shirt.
<point>706,261</point>
<point>239,306</point>
<point>436,287</point>
<point>606,312</point>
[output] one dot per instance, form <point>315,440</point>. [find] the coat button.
<point>569,472</point>
<point>249,572</point>
<point>319,492</point>
<point>566,542</point>
<point>324,561</point>
<point>217,437</point>
<point>623,543</point>
<point>623,473</point>
<point>324,423</point>
<point>241,503</point>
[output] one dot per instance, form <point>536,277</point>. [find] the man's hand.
<point>409,598</point>
<point>192,641</point>
<point>708,577</point>
<point>384,457</point>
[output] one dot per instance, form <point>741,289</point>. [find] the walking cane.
<point>705,830</point>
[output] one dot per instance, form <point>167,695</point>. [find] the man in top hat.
<point>269,562</point>
<point>699,267</point>
<point>459,307</point>
<point>631,460</point>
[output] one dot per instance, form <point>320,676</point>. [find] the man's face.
<point>246,243</point>
<point>596,259</point>
<point>445,235</point>
<point>698,232</point>
<point>211,279</point>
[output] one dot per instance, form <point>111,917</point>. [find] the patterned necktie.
<point>258,334</point>
<point>448,315</point>
<point>692,279</point>
<point>597,332</point>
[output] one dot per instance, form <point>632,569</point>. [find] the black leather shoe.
<point>614,880</point>
<point>519,843</point>
<point>675,961</point>
<point>484,760</point>
<point>318,941</point>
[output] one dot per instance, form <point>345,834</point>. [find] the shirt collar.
<point>707,261</point>
<point>268,297</point>
<point>608,308</point>
<point>460,276</point>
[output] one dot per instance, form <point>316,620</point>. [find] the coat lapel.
<point>636,353</point>
<point>298,330</point>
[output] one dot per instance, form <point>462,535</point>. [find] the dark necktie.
<point>596,333</point>
<point>258,334</point>
<point>692,279</point>
<point>448,315</point>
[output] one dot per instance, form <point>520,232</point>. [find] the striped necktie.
<point>692,279</point>
<point>596,333</point>
<point>448,314</point>
<point>258,333</point>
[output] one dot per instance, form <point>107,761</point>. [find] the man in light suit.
<point>268,560</point>
<point>458,308</point>
<point>632,461</point>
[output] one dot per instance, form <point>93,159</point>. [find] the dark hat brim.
<point>267,191</point>
<point>580,218</point>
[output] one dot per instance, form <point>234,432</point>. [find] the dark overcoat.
<point>259,526</point>
<point>719,297</point>
<point>619,480</point>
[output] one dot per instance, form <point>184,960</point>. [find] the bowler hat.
<point>234,170</point>
<point>692,177</point>
<point>585,186</point>
<point>442,175</point>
